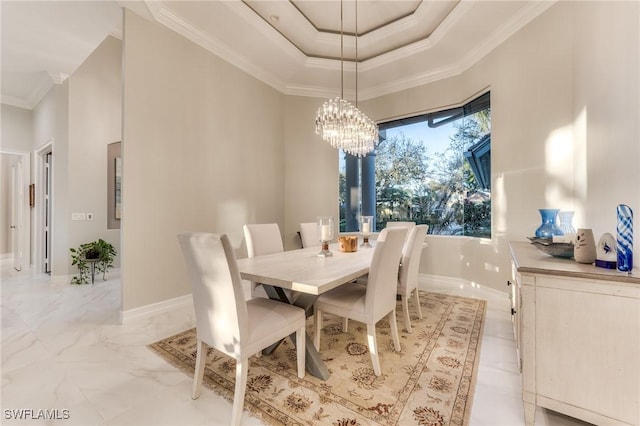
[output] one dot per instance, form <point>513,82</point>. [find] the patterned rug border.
<point>270,414</point>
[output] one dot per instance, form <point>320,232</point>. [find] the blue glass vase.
<point>625,237</point>
<point>549,227</point>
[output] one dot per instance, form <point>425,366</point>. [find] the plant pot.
<point>92,254</point>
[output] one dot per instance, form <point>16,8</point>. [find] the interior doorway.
<point>15,216</point>
<point>44,208</point>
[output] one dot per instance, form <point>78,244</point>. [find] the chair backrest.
<point>309,234</point>
<point>400,224</point>
<point>411,253</point>
<point>218,298</point>
<point>263,238</point>
<point>383,273</point>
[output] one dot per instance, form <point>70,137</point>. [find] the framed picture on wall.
<point>118,186</point>
<point>114,185</point>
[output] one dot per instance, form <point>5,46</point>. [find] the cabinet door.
<point>587,346</point>
<point>514,295</point>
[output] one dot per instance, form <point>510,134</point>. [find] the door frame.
<point>24,232</point>
<point>39,241</point>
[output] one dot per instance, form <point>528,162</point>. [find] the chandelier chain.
<point>339,122</point>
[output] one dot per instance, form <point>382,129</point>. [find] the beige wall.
<point>203,149</point>
<point>95,115</point>
<point>17,137</point>
<point>51,124</point>
<point>311,166</point>
<point>546,152</point>
<point>606,108</point>
<point>17,129</point>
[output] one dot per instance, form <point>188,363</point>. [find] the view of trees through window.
<point>435,169</point>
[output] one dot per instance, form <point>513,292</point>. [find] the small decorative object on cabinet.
<point>546,245</point>
<point>548,228</point>
<point>325,232</point>
<point>566,222</point>
<point>606,252</point>
<point>585,250</point>
<point>578,338</point>
<point>625,238</point>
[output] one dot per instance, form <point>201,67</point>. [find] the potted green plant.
<point>97,254</point>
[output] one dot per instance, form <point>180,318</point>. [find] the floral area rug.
<point>429,382</point>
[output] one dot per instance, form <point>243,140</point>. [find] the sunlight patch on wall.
<point>580,176</point>
<point>500,205</point>
<point>231,216</point>
<point>559,168</point>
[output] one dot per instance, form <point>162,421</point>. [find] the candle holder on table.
<point>325,232</point>
<point>366,223</point>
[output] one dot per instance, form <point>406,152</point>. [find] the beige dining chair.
<point>400,224</point>
<point>261,239</point>
<point>309,234</point>
<point>410,269</point>
<point>225,321</point>
<point>372,302</point>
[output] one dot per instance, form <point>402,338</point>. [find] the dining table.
<point>307,275</point>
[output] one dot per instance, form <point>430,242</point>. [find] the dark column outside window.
<point>369,186</point>
<point>352,196</point>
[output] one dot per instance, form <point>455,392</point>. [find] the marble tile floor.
<point>64,349</point>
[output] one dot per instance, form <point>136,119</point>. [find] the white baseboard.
<point>441,279</point>
<point>431,279</point>
<point>156,308</point>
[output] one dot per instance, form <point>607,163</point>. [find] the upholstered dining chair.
<point>410,269</point>
<point>401,224</point>
<point>309,234</point>
<point>225,321</point>
<point>262,238</point>
<point>372,302</point>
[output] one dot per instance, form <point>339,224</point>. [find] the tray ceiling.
<point>291,45</point>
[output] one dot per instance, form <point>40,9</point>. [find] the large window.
<point>434,168</point>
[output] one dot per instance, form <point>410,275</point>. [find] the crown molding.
<point>507,30</point>
<point>16,102</point>
<point>167,18</point>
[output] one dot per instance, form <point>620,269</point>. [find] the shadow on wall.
<point>477,260</point>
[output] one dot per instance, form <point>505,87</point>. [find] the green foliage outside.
<point>439,190</point>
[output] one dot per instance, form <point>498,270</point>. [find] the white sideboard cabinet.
<point>577,331</point>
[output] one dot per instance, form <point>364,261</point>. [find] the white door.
<point>17,215</point>
<point>48,196</point>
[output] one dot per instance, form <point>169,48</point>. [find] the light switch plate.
<point>78,216</point>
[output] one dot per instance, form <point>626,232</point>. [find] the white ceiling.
<point>291,45</point>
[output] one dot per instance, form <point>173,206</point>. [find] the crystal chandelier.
<point>339,122</point>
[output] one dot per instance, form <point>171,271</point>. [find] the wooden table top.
<point>302,270</point>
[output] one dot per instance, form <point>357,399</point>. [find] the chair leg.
<point>405,311</point>
<point>418,303</point>
<point>394,330</point>
<point>317,321</point>
<point>201,360</point>
<point>242,366</point>
<point>345,324</point>
<point>373,348</point>
<point>301,339</point>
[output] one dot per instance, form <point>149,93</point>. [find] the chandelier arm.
<point>341,53</point>
<point>356,3</point>
<point>339,122</point>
